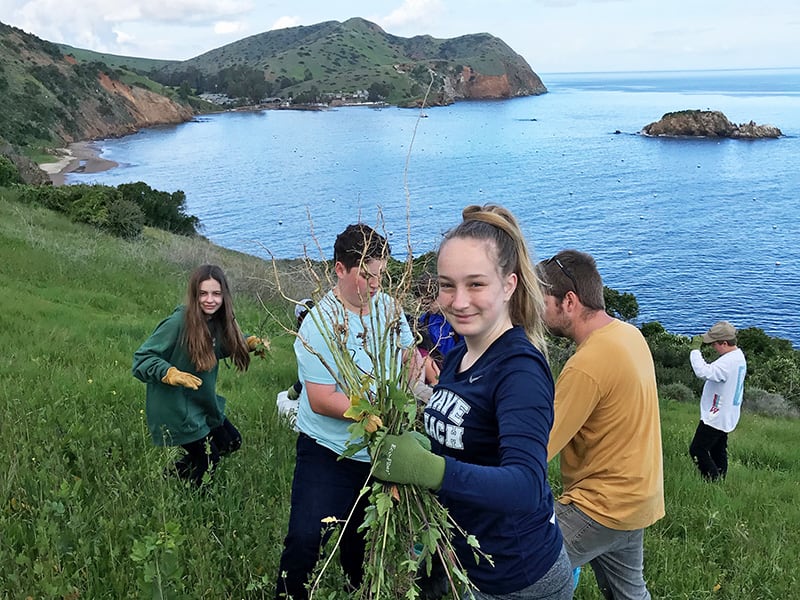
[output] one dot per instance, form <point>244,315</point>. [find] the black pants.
<point>203,455</point>
<point>709,450</point>
<point>226,437</point>
<point>323,486</point>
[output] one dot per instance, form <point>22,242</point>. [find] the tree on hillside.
<point>185,90</point>
<point>309,96</point>
<point>621,305</point>
<point>161,209</point>
<point>243,82</point>
<point>379,91</point>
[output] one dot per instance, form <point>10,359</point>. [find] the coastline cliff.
<point>51,100</point>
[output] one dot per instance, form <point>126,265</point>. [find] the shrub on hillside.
<point>125,219</point>
<point>44,196</point>
<point>677,392</point>
<point>756,342</point>
<point>779,374</point>
<point>122,211</point>
<point>772,364</point>
<point>161,209</point>
<point>89,204</point>
<point>8,172</point>
<point>671,357</point>
<point>101,206</point>
<point>622,305</point>
<point>762,402</point>
<point>559,351</point>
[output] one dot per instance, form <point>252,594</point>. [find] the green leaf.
<point>383,504</point>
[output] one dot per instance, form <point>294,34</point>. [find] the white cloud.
<point>284,22</point>
<point>229,27</point>
<point>138,26</point>
<point>172,11</point>
<point>123,38</point>
<point>46,16</point>
<point>553,35</point>
<point>412,12</point>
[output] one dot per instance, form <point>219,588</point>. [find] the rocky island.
<point>707,123</point>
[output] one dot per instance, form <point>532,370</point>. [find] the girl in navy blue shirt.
<point>490,416</point>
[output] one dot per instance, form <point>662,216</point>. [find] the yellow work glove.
<point>176,378</point>
<point>257,345</point>
<point>697,341</point>
<point>372,423</point>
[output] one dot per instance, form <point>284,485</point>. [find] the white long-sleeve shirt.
<point>721,402</point>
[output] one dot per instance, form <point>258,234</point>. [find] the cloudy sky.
<point>552,35</point>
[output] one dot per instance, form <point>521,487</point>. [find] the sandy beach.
<point>78,157</point>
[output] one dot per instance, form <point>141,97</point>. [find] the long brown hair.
<point>198,338</point>
<point>497,225</point>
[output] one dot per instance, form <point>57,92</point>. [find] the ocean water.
<point>698,229</point>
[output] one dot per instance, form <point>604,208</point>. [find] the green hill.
<point>333,58</point>
<point>86,512</point>
<point>128,63</point>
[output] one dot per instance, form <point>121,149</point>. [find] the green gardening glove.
<point>403,459</point>
<point>697,341</point>
<point>422,439</point>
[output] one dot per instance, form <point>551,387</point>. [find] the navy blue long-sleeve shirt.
<point>492,423</point>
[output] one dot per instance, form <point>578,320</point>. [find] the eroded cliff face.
<point>514,82</point>
<point>51,96</point>
<point>469,84</point>
<point>125,110</point>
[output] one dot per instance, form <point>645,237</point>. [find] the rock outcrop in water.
<point>707,123</point>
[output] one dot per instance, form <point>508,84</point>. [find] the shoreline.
<point>84,157</point>
<point>78,157</point>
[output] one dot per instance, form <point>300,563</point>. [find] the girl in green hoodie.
<point>179,363</point>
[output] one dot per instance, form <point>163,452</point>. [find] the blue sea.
<point>698,229</point>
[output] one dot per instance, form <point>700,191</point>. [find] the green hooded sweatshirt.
<point>178,415</point>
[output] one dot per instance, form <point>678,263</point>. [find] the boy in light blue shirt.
<point>355,315</point>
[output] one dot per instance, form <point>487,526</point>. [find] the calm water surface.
<point>699,230</point>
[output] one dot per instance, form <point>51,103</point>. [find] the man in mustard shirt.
<point>606,429</point>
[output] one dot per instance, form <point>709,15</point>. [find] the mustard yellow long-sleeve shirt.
<point>607,430</point>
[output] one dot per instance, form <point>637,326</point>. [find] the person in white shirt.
<point>721,402</point>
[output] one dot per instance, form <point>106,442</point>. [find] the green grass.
<point>114,60</point>
<point>86,513</point>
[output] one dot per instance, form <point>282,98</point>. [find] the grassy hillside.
<point>85,512</point>
<point>128,63</point>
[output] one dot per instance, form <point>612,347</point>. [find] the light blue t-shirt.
<point>363,336</point>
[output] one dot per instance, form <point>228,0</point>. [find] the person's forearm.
<point>329,405</point>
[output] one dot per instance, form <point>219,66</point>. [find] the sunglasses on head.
<point>566,272</point>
